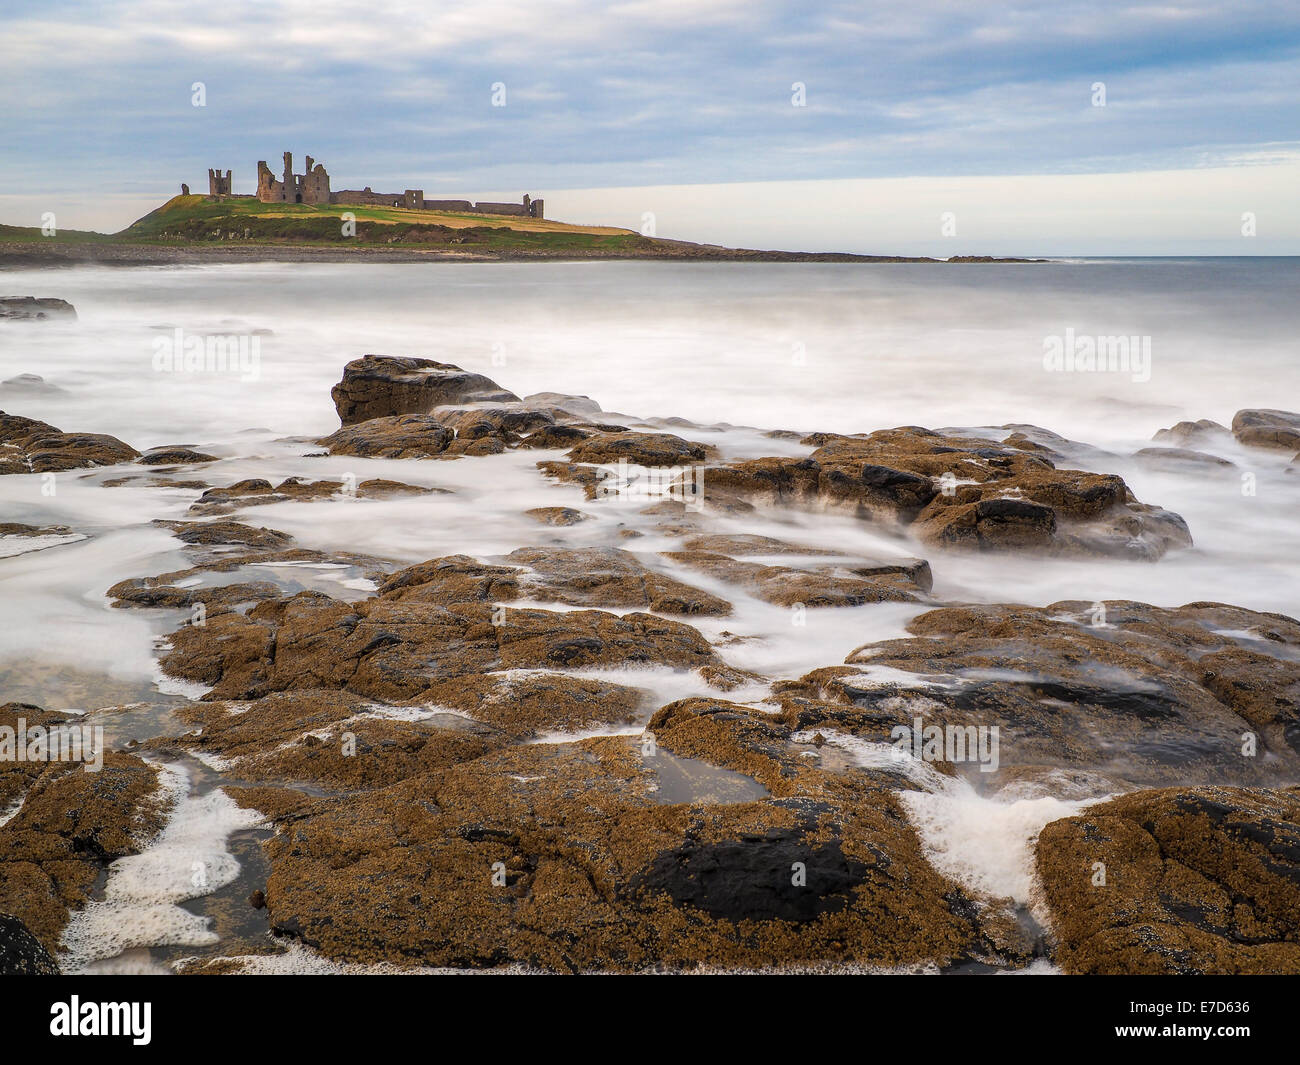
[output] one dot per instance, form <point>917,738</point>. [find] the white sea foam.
<point>188,859</point>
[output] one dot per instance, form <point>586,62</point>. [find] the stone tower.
<point>218,183</point>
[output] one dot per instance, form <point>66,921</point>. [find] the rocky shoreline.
<point>35,253</point>
<point>550,758</point>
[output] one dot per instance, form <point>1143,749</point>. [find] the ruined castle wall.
<point>448,205</point>
<point>367,198</point>
<point>316,185</point>
<point>502,208</point>
<point>268,189</point>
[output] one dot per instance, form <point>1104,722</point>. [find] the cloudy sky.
<point>686,110</point>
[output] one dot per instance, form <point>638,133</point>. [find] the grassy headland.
<point>241,228</point>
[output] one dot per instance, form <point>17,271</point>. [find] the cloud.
<point>638,92</point>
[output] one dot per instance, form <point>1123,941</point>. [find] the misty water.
<point>738,349</point>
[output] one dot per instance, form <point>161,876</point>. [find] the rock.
<point>21,953</point>
<point>260,492</point>
<point>30,446</point>
<point>560,516</point>
<point>395,649</point>
<point>816,586</point>
<point>1277,429</point>
<point>640,449</point>
<point>1198,432</point>
<point>19,539</point>
<point>406,436</point>
<point>71,824</point>
<point>381,386</point>
<point>30,384</point>
<point>1197,880</point>
<point>33,308</point>
<point>578,406</point>
<point>961,493</point>
<point>606,577</point>
<point>557,856</point>
<point>1179,459</point>
<point>1145,695</point>
<point>525,705</point>
<point>176,455</point>
<point>210,533</point>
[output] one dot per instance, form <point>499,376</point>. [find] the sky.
<point>933,127</point>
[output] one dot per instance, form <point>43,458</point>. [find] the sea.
<point>739,349</point>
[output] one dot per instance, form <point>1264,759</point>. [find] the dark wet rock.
<point>1147,695</point>
<point>30,446</point>
<point>1204,431</point>
<point>961,493</point>
<point>381,386</point>
<point>405,436</point>
<point>174,455</point>
<point>560,516</point>
<point>34,308</point>
<point>21,953</point>
<point>1180,459</point>
<point>1196,880</point>
<point>742,879</point>
<point>1277,429</point>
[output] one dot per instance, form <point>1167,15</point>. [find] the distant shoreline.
<point>59,253</point>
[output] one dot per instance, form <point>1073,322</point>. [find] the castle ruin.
<point>218,183</point>
<point>313,187</point>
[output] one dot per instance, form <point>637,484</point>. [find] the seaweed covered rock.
<point>1145,694</point>
<point>1180,880</point>
<point>31,446</point>
<point>962,493</point>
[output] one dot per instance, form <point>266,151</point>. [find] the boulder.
<point>403,436</point>
<point>961,492</point>
<point>1276,429</point>
<point>174,455</point>
<point>31,446</point>
<point>381,386</point>
<point>1181,460</point>
<point>34,308</point>
<point>1203,431</point>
